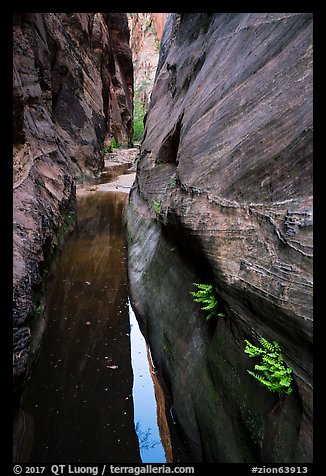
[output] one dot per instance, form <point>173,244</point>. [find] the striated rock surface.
<point>120,68</point>
<point>72,92</point>
<point>227,151</point>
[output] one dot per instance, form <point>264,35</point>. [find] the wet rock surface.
<point>78,404</point>
<point>72,92</point>
<point>227,151</point>
<point>118,173</point>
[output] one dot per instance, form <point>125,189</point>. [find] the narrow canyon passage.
<point>78,405</point>
<point>209,116</point>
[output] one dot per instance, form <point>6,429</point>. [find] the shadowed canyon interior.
<point>222,195</point>
<point>97,402</point>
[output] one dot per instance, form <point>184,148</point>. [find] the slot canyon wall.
<point>146,31</point>
<point>227,154</point>
<point>72,94</point>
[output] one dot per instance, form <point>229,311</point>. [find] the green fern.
<point>115,144</point>
<point>274,374</point>
<point>157,206</point>
<point>206,295</point>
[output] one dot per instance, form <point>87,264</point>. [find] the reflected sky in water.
<point>78,405</point>
<point>145,416</point>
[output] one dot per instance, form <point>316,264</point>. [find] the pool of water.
<point>93,395</point>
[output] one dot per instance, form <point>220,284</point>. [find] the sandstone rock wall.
<point>227,151</point>
<point>146,30</point>
<point>120,67</point>
<point>72,92</point>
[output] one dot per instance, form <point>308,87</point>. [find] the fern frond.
<point>209,300</point>
<point>275,375</point>
<point>252,350</point>
<point>201,294</point>
<point>276,346</point>
<point>269,360</point>
<point>285,382</point>
<point>266,345</point>
<point>259,378</point>
<point>262,368</point>
<point>198,299</point>
<point>204,287</point>
<point>206,296</point>
<point>210,315</point>
<point>210,306</point>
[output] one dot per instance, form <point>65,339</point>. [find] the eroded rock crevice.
<point>168,152</point>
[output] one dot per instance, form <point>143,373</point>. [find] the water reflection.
<point>145,441</point>
<point>78,404</point>
<point>145,403</point>
<point>93,396</point>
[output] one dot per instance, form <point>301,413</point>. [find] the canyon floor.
<point>118,174</point>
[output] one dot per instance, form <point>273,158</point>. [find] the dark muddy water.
<point>84,402</point>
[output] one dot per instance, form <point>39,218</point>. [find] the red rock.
<point>72,91</point>
<point>146,31</point>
